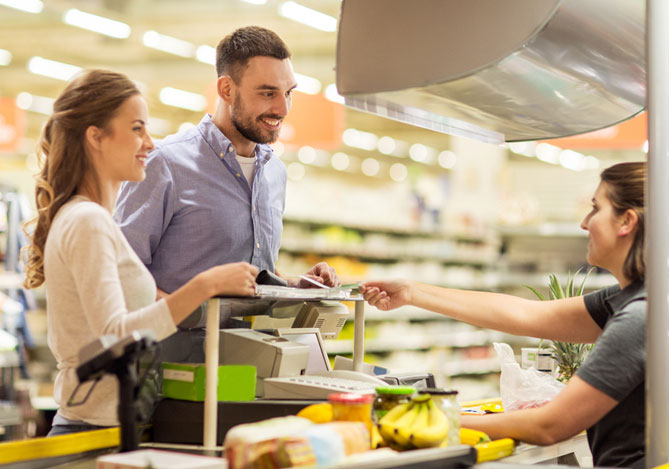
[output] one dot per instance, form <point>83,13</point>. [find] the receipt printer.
<point>272,356</point>
<point>329,317</point>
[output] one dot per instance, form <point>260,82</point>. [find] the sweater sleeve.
<point>92,248</point>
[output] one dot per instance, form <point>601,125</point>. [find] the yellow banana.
<point>387,422</point>
<point>435,432</point>
<point>472,437</point>
<point>405,423</point>
<point>492,450</point>
<point>377,439</point>
<point>403,434</point>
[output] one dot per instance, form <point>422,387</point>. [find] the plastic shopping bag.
<point>523,388</point>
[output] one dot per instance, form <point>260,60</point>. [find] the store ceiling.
<point>200,22</point>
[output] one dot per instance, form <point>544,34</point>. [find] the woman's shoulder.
<point>81,214</point>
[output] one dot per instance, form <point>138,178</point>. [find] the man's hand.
<point>322,273</point>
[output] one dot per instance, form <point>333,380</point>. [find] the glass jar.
<point>351,407</point>
<point>388,397</point>
<point>447,401</point>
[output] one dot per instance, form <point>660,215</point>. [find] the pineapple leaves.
<point>568,356</point>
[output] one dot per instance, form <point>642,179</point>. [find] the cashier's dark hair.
<point>91,99</point>
<point>625,186</point>
<point>235,50</point>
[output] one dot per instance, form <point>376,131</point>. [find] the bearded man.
<point>215,193</point>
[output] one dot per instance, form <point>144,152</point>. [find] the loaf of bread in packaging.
<point>292,442</point>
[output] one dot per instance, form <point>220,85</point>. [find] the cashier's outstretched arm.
<point>566,320</point>
<point>577,407</point>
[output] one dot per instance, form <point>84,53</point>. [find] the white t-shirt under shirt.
<point>248,167</point>
<point>95,285</point>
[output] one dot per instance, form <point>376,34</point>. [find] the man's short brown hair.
<point>235,50</point>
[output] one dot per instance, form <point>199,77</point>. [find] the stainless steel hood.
<point>495,70</point>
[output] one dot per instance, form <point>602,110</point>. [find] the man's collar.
<point>222,144</point>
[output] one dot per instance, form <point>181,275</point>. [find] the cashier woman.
<point>606,396</point>
<point>95,139</point>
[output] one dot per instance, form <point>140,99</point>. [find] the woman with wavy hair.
<point>96,285</point>
<point>606,397</point>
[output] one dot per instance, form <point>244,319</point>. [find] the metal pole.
<point>657,235</point>
<point>359,336</point>
<point>211,374</point>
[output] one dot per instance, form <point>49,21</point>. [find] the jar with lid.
<point>447,401</point>
<point>352,407</point>
<point>388,397</point>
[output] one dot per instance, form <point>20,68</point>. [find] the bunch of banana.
<point>417,424</point>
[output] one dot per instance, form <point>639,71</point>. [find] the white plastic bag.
<point>523,388</point>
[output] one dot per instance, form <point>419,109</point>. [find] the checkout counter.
<point>205,423</point>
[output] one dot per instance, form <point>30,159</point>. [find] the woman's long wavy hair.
<point>625,186</point>
<point>91,99</point>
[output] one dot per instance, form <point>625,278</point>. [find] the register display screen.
<point>318,359</point>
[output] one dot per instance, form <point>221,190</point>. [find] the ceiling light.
<point>255,2</point>
<point>370,167</point>
<point>30,102</point>
<point>183,99</point>
<point>97,24</point>
<point>591,162</point>
<point>398,172</point>
<point>31,6</point>
<point>306,154</point>
<point>52,69</point>
<point>185,126</point>
<point>304,15</point>
<point>5,57</point>
<point>168,44</point>
<point>339,161</point>
<point>418,152</point>
<point>206,54</point>
<point>571,159</point>
<point>332,94</point>
<point>447,159</point>
<point>307,84</point>
<point>359,139</point>
<point>548,153</point>
<point>386,145</point>
<point>159,126</point>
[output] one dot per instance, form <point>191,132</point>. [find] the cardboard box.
<point>186,381</point>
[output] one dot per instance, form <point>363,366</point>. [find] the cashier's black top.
<point>617,367</point>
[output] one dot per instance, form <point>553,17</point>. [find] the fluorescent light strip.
<point>183,99</point>
<point>307,84</point>
<point>52,69</point>
<point>304,15</point>
<point>168,44</point>
<point>30,102</point>
<point>206,54</point>
<point>332,95</point>
<point>97,24</point>
<point>5,57</point>
<point>31,6</point>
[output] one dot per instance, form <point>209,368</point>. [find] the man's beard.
<point>249,128</point>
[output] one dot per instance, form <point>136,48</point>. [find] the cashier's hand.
<point>388,294</point>
<point>322,273</point>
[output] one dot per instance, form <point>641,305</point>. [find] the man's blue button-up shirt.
<point>195,209</point>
